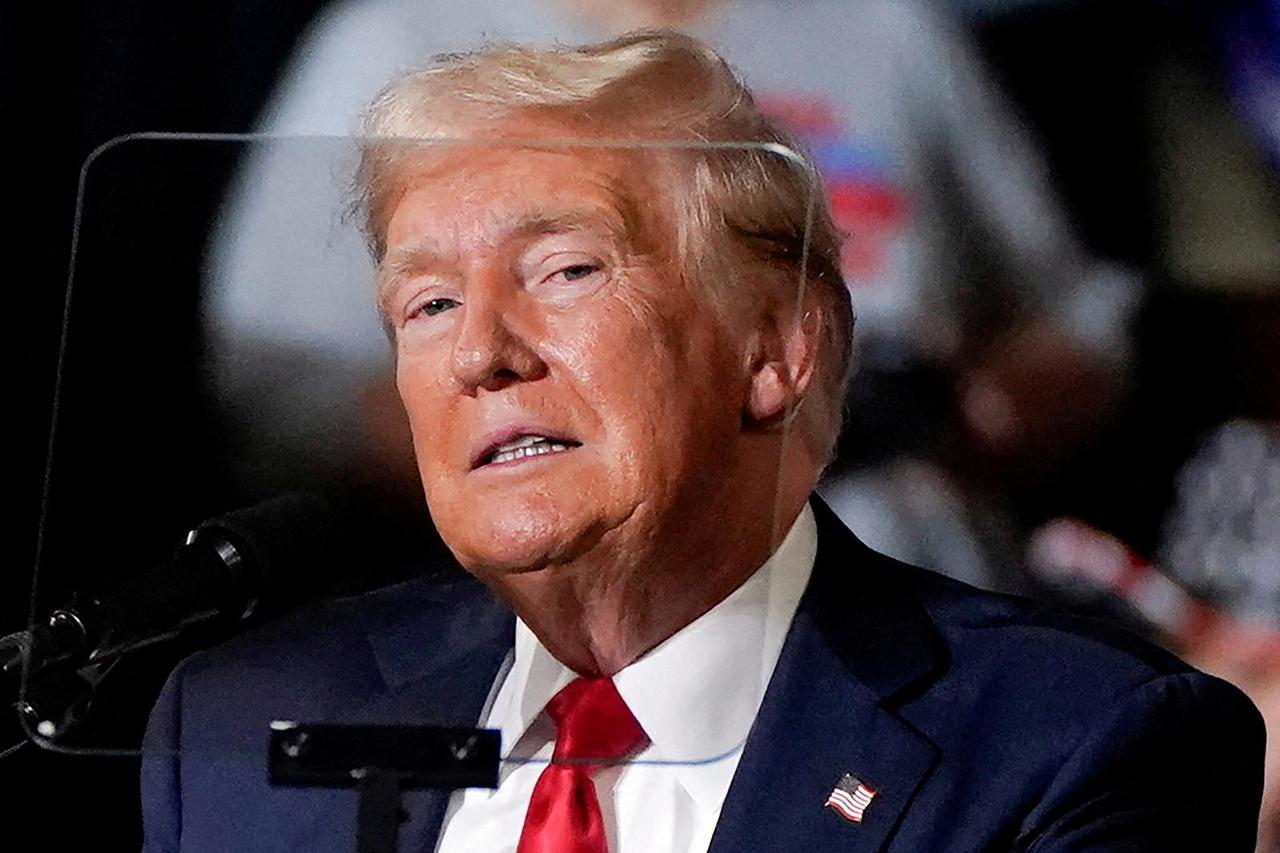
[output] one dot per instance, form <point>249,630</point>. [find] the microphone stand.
<point>49,704</point>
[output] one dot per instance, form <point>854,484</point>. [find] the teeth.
<point>522,441</point>
<point>537,446</point>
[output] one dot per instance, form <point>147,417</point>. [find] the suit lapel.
<point>859,641</point>
<point>438,660</point>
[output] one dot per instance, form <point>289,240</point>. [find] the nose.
<point>493,348</point>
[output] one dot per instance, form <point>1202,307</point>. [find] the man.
<point>950,216</point>
<point>621,403</point>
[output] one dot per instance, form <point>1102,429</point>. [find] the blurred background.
<point>1064,250</point>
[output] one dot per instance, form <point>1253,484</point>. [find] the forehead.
<point>462,193</point>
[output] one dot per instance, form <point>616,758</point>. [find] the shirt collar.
<point>696,694</point>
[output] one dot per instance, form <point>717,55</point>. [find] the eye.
<point>582,272</point>
<point>432,307</point>
<point>577,272</point>
<point>565,269</point>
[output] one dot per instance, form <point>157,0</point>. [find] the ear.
<point>781,356</point>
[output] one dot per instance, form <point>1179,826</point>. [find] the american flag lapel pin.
<point>850,798</point>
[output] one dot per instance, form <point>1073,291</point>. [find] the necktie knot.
<point>593,727</point>
<point>593,723</point>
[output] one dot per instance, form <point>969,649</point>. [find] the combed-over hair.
<point>748,195</point>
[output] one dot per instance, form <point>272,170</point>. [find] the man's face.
<point>569,393</point>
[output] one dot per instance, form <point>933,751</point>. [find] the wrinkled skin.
<point>536,292</point>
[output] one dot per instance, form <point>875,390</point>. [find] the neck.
<point>597,629</point>
<point>601,613</point>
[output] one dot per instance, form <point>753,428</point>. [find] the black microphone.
<point>273,553</point>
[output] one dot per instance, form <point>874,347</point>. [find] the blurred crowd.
<point>1038,410</point>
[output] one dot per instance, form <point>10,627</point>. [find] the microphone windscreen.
<point>287,542</point>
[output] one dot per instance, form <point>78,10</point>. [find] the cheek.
<point>422,398</point>
<point>661,381</point>
<point>624,356</point>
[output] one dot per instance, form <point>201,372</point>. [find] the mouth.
<point>523,446</point>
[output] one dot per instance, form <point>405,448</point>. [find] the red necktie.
<point>593,727</point>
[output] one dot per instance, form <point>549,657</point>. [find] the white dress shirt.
<point>695,695</point>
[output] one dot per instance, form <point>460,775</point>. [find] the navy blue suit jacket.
<point>982,721</point>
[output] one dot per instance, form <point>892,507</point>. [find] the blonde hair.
<point>748,195</point>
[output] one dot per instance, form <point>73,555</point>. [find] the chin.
<point>501,540</point>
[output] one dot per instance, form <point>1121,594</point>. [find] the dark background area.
<point>75,76</point>
<point>83,73</point>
